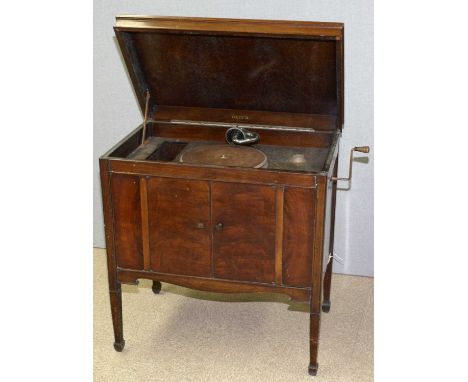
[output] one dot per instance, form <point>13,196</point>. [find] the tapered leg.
<point>327,286</point>
<point>116,308</point>
<point>328,272</point>
<point>115,291</point>
<point>314,341</point>
<point>156,287</point>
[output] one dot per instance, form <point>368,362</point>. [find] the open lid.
<point>238,71</point>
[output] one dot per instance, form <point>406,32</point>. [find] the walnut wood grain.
<point>108,221</point>
<point>314,331</point>
<point>318,244</point>
<point>128,276</point>
<point>279,236</point>
<point>115,292</point>
<point>317,269</point>
<point>235,175</point>
<point>145,224</point>
<point>173,71</point>
<point>128,244</point>
<point>213,133</point>
<point>244,232</point>
<point>298,239</point>
<point>179,226</point>
<point>280,68</point>
<point>326,304</point>
<point>117,318</point>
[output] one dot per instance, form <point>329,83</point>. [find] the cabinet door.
<point>243,219</point>
<point>179,226</point>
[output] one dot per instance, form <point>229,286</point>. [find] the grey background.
<point>116,111</point>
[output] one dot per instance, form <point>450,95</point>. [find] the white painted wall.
<point>116,111</point>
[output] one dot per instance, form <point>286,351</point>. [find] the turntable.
<point>229,184</point>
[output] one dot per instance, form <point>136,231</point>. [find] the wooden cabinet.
<point>220,224</point>
<point>214,229</point>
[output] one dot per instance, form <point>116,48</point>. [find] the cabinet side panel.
<point>127,221</point>
<point>298,236</point>
<point>179,226</point>
<point>244,231</point>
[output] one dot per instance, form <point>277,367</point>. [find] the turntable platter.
<point>224,155</point>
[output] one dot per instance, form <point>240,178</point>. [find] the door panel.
<point>125,191</point>
<point>179,226</point>
<point>243,219</point>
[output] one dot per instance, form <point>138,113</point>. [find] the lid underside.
<point>234,71</point>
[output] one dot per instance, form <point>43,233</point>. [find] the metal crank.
<point>360,149</point>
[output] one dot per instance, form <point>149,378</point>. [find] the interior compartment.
<point>285,150</point>
<point>167,151</point>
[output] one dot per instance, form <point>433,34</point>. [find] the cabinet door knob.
<point>219,226</point>
<point>200,225</point>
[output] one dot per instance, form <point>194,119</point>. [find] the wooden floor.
<point>185,335</point>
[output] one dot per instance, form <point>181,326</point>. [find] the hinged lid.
<point>224,70</point>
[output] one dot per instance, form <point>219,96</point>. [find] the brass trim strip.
<point>243,125</point>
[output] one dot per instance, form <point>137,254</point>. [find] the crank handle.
<point>360,149</point>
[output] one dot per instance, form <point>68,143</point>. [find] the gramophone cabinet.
<point>229,183</point>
